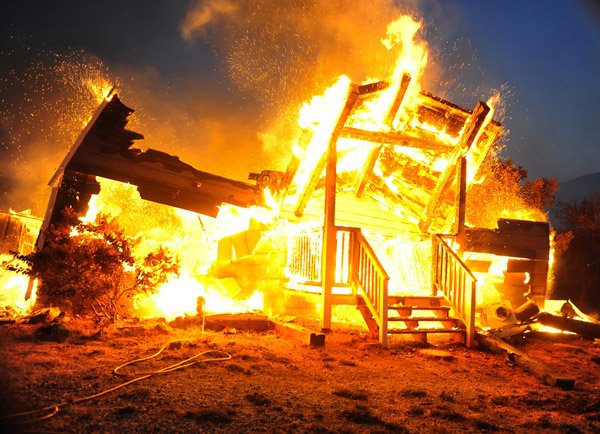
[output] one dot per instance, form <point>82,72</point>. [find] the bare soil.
<point>276,384</point>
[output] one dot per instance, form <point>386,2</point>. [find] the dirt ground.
<point>282,384</point>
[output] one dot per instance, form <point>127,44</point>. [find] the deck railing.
<point>357,268</point>
<point>454,280</point>
<point>371,281</point>
<point>304,257</point>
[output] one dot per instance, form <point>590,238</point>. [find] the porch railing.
<point>357,268</point>
<point>304,257</point>
<point>454,280</point>
<point>371,281</point>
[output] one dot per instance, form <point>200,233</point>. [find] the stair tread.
<point>422,318</point>
<point>403,306</point>
<point>413,331</point>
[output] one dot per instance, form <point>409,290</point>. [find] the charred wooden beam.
<point>520,358</point>
<point>366,89</point>
<point>583,328</point>
<point>472,129</point>
<point>320,166</point>
<point>363,177</point>
<point>103,149</point>
<point>398,100</point>
<point>395,138</point>
<point>303,141</point>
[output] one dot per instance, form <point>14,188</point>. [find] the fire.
<point>319,116</point>
<point>179,297</point>
<point>192,237</point>
<point>13,293</point>
<point>419,139</point>
<point>99,87</point>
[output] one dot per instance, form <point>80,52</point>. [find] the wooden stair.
<point>417,317</point>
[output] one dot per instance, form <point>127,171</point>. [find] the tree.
<point>578,268</point>
<point>507,192</point>
<point>91,267</point>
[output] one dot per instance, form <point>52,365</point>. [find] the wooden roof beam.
<point>367,169</point>
<point>353,95</point>
<point>395,138</point>
<point>474,124</point>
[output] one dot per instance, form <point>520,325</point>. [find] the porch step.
<point>416,300</point>
<point>426,331</point>
<point>414,322</point>
<point>406,311</point>
<point>414,314</point>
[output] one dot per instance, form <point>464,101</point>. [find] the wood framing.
<point>472,129</point>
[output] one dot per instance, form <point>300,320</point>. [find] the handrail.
<point>456,282</point>
<point>371,279</point>
<point>357,265</point>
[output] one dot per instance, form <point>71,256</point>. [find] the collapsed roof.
<point>395,187</point>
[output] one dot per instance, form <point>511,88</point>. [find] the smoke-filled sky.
<point>219,82</point>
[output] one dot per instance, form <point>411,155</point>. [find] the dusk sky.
<point>212,79</point>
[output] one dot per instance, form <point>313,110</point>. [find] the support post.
<point>462,205</point>
<point>329,229</point>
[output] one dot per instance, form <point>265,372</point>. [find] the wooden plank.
<point>474,124</point>
<point>223,321</point>
<point>365,89</point>
<point>303,141</point>
<point>520,358</point>
<point>398,100</point>
<point>367,169</point>
<point>396,138</point>
<point>583,328</point>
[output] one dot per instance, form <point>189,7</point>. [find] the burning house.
<point>370,212</point>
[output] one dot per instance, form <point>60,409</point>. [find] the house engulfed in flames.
<point>371,211</point>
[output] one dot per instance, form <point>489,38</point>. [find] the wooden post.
<point>462,205</point>
<point>470,316</point>
<point>329,230</point>
<point>546,374</point>
<point>434,264</point>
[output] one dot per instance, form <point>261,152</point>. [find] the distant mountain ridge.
<point>579,188</point>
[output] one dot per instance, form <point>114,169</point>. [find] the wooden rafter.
<point>398,100</point>
<point>353,95</point>
<point>473,127</point>
<point>367,169</point>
